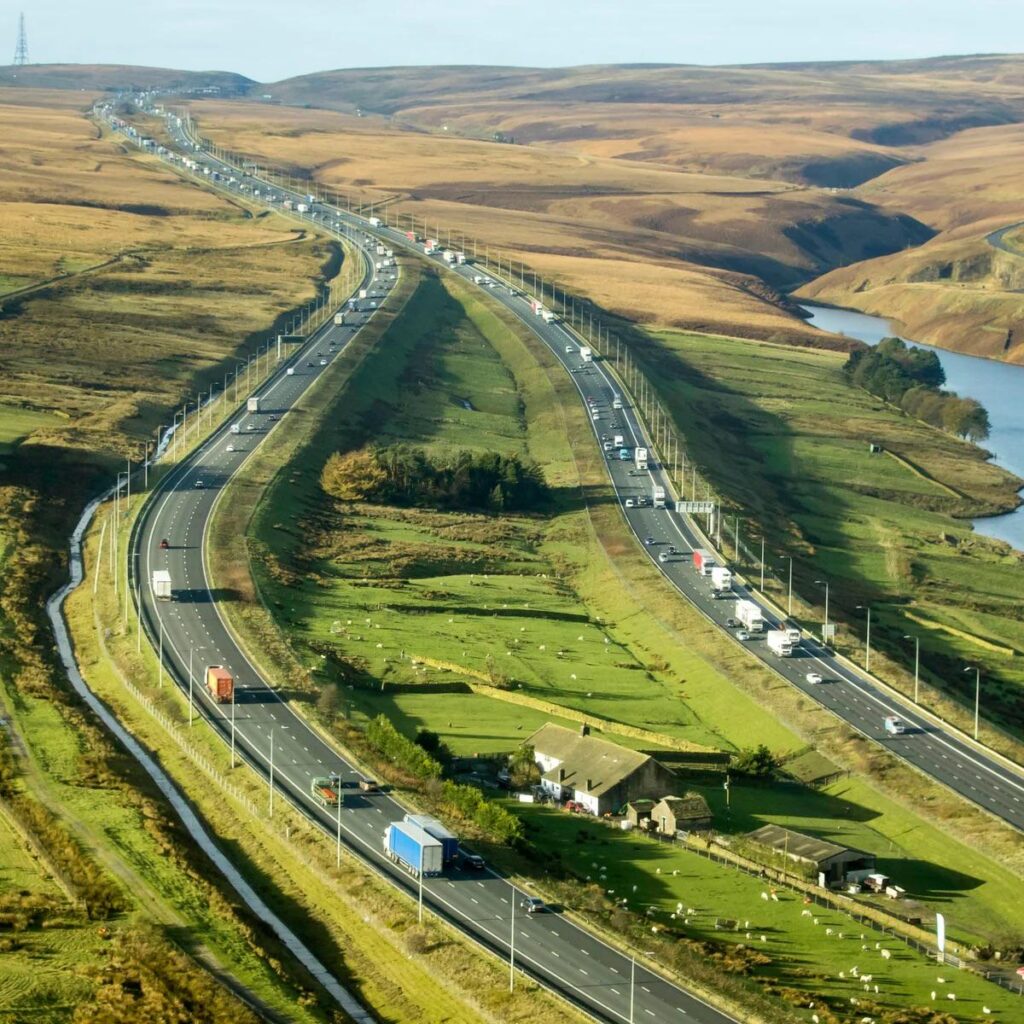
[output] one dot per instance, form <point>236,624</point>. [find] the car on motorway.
<point>596,416</point>
<point>473,861</point>
<point>532,905</point>
<point>199,485</point>
<point>742,635</point>
<point>164,544</point>
<point>731,623</point>
<point>630,503</point>
<point>814,678</point>
<point>323,362</point>
<point>663,556</point>
<point>273,419</point>
<point>291,371</point>
<point>368,785</point>
<point>673,550</point>
<point>311,363</point>
<point>569,348</point>
<point>648,541</point>
<point>607,446</point>
<point>230,448</point>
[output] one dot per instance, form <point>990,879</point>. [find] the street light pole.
<point>917,662</point>
<point>191,648</point>
<point>867,648</point>
<point>977,695</point>
<point>337,851</point>
<point>271,777</point>
<point>824,631</point>
<point>632,986</point>
<point>233,726</point>
<point>762,565</point>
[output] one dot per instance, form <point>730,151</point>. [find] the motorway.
<point>550,946</point>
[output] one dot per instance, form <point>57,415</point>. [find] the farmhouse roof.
<point>584,759</point>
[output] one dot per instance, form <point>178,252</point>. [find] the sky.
<point>270,41</point>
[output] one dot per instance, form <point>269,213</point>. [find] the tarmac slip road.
<point>192,633</point>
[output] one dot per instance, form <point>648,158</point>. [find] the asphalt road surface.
<point>548,945</point>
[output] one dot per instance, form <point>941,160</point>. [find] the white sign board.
<point>828,632</point>
<point>704,508</point>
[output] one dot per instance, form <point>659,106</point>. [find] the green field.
<point>17,423</point>
<point>455,587</point>
<point>786,438</point>
<point>660,880</point>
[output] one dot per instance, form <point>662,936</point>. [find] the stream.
<point>998,386</point>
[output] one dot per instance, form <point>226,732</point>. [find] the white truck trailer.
<point>252,404</point>
<point>721,578</point>
<point>640,458</point>
<point>779,643</point>
<point>658,496</point>
<point>749,615</point>
<point>161,584</point>
<point>586,354</point>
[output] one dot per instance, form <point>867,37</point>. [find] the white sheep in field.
<point>985,1010</point>
<point>775,897</point>
<point>828,931</point>
<point>941,981</point>
<point>764,938</point>
<point>933,995</point>
<point>951,996</point>
<point>866,978</point>
<point>886,955</point>
<point>764,896</point>
<point>805,913</point>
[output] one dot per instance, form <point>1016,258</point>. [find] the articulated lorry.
<point>586,354</point>
<point>779,643</point>
<point>252,404</point>
<point>721,578</point>
<point>326,791</point>
<point>703,561</point>
<point>449,840</point>
<point>220,684</point>
<point>162,585</point>
<point>414,848</point>
<point>749,615</point>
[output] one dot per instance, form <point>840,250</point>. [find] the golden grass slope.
<point>959,290</point>
<point>149,281</point>
<point>532,202</point>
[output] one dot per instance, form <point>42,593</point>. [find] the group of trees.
<point>912,378</point>
<point>405,475</point>
<point>407,755</point>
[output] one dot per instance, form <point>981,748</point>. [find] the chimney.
<point>561,775</point>
<point>584,729</point>
<point>590,785</point>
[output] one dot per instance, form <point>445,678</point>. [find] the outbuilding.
<point>689,813</point>
<point>830,861</point>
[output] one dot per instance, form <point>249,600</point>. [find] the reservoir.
<point>998,386</point>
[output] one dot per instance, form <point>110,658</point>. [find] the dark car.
<point>731,622</point>
<point>165,544</point>
<point>532,905</point>
<point>648,541</point>
<point>473,861</point>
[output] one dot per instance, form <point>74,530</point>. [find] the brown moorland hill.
<point>537,203</point>
<point>962,289</point>
<point>98,78</point>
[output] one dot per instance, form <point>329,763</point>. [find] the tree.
<point>523,768</point>
<point>352,476</point>
<point>328,702</point>
<point>758,761</point>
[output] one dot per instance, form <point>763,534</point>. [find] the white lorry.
<point>894,727</point>
<point>339,319</point>
<point>617,401</point>
<point>749,615</point>
<point>301,208</point>
<point>779,643</point>
<point>721,578</point>
<point>161,584</point>
<point>548,316</point>
<point>586,354</point>
<point>640,458</point>
<point>658,496</point>
<point>618,441</point>
<point>363,293</point>
<point>252,404</point>
<point>374,222</point>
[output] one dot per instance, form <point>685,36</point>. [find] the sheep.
<point>828,931</point>
<point>775,897</point>
<point>814,1019</point>
<point>876,990</point>
<point>842,975</point>
<point>764,938</point>
<point>886,955</point>
<point>805,913</point>
<point>985,1010</point>
<point>941,981</point>
<point>866,978</point>
<point>690,912</point>
<point>816,921</point>
<point>933,995</point>
<point>951,996</point>
<point>764,896</point>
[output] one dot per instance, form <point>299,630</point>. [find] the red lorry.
<point>220,684</point>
